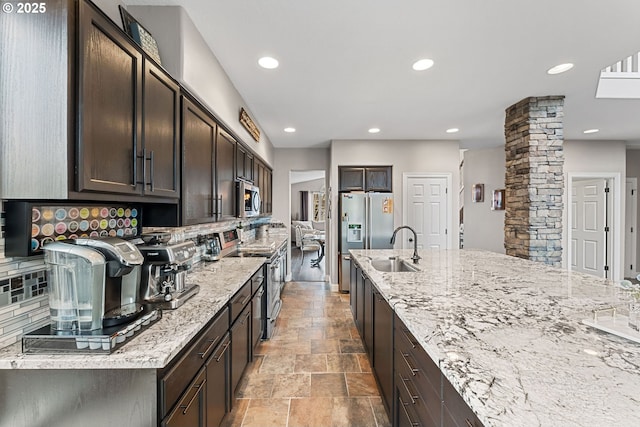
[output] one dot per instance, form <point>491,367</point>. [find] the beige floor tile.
<point>310,363</point>
<point>311,412</point>
<point>351,346</point>
<point>328,385</point>
<point>266,413</point>
<point>352,412</point>
<point>382,420</point>
<point>311,333</point>
<point>361,384</point>
<point>235,417</point>
<point>255,386</point>
<point>363,360</point>
<point>343,363</point>
<point>343,332</point>
<point>292,385</point>
<point>325,346</point>
<point>277,364</point>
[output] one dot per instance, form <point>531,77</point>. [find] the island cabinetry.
<point>181,385</point>
<point>367,321</point>
<point>383,348</point>
<point>366,178</point>
<point>359,318</point>
<point>455,411</point>
<point>417,382</point>
<point>354,272</point>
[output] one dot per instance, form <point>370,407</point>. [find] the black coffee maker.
<point>122,279</point>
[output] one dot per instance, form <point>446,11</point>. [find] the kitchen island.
<point>120,388</point>
<point>507,334</point>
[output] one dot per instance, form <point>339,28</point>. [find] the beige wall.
<point>405,157</point>
<point>598,159</point>
<point>483,228</point>
<point>187,57</point>
<point>310,186</point>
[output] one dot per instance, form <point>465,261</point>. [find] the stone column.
<point>534,181</point>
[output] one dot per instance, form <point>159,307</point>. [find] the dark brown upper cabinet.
<point>244,163</point>
<point>262,178</point>
<point>225,174</point>
<point>128,111</point>
<point>198,180</point>
<point>366,178</point>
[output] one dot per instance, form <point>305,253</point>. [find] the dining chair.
<point>306,244</point>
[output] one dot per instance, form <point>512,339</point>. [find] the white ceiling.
<point>345,66</point>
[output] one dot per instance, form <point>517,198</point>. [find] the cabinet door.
<point>268,206</point>
<point>353,275</point>
<point>225,174</point>
<point>259,317</point>
<point>218,383</point>
<point>383,346</point>
<point>240,346</point>
<point>160,157</point>
<point>360,304</point>
<point>198,138</point>
<point>190,410</point>
<point>367,323</point>
<point>109,106</point>
<point>378,179</point>
<point>351,178</point>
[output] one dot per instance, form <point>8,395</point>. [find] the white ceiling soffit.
<point>345,66</point>
<point>297,177</point>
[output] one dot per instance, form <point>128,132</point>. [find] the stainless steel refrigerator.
<point>366,222</point>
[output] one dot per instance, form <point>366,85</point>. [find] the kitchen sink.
<point>392,265</point>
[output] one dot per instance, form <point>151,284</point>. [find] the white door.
<point>427,212</point>
<point>630,220</point>
<point>589,227</point>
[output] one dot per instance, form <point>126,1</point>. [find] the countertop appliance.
<point>93,297</point>
<point>248,200</point>
<point>164,272</point>
<point>366,222</point>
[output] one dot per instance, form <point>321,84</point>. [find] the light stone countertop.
<point>161,342</point>
<point>507,334</point>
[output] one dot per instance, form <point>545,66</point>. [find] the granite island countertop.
<point>507,334</point>
<point>155,347</point>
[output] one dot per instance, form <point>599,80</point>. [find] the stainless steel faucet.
<point>415,256</point>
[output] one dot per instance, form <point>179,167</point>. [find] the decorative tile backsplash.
<point>24,304</point>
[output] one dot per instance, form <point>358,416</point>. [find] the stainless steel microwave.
<point>248,200</point>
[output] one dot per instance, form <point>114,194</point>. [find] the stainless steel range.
<point>276,270</point>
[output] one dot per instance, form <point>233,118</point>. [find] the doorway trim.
<point>617,234</point>
<point>405,202</point>
<point>631,210</point>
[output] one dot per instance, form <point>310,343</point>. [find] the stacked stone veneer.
<point>534,181</point>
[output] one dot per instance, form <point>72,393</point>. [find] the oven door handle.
<point>276,311</point>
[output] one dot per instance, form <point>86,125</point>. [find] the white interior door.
<point>630,224</point>
<point>589,245</point>
<point>427,212</point>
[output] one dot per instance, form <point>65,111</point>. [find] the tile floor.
<point>313,372</point>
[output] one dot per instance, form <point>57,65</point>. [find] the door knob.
<point>411,239</point>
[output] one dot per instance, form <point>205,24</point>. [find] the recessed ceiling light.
<point>268,62</point>
<point>423,64</point>
<point>374,130</point>
<point>453,130</point>
<point>289,130</point>
<point>560,68</point>
<point>591,131</point>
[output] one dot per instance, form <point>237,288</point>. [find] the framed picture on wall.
<point>477,193</point>
<point>497,204</point>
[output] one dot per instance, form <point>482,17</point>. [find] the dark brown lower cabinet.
<point>190,410</point>
<point>383,347</point>
<point>367,322</point>
<point>240,346</point>
<point>218,379</point>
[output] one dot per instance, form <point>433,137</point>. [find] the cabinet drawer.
<point>412,410</point>
<point>416,387</point>
<point>456,412</point>
<point>190,410</point>
<point>257,280</point>
<point>411,353</point>
<point>174,382</point>
<point>240,300</point>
